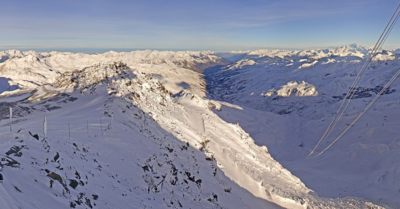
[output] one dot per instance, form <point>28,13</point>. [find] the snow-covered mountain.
<point>136,130</point>
<point>266,55</point>
<point>288,102</point>
<point>29,70</point>
<point>115,156</point>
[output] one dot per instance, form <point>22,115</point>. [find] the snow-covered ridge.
<point>354,50</point>
<point>29,70</point>
<point>137,152</point>
<point>240,64</point>
<point>129,163</point>
<point>233,149</point>
<point>197,61</point>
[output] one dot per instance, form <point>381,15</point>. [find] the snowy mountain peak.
<point>353,50</point>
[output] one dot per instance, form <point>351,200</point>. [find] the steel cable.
<point>357,81</point>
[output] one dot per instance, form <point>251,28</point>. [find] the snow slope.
<point>129,162</point>
<point>153,140</point>
<point>364,162</point>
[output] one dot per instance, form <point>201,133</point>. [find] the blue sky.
<point>122,25</point>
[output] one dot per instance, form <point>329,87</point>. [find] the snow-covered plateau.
<point>161,129</point>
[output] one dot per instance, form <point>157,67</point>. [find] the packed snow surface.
<point>136,130</point>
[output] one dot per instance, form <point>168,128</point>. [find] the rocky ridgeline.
<point>161,171</point>
<point>120,79</point>
<point>91,75</point>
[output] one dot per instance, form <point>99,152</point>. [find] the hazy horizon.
<point>103,50</point>
<point>98,26</point>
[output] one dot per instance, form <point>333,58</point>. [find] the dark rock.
<point>95,197</point>
<point>34,135</point>
<point>73,183</point>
